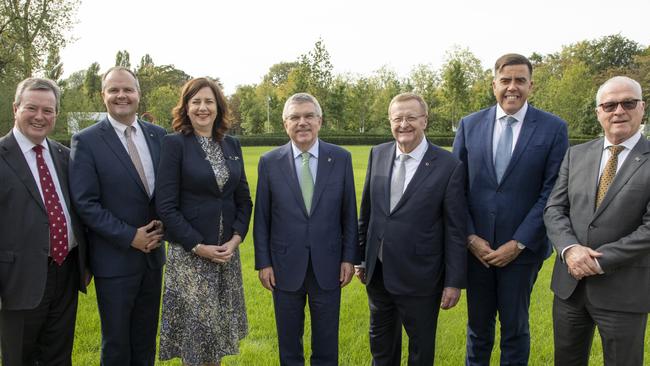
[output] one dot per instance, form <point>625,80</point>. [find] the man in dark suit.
<point>412,230</point>
<point>512,153</point>
<point>112,174</point>
<point>598,218</point>
<point>43,248</point>
<point>305,232</point>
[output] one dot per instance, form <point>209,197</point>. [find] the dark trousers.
<point>505,291</point>
<point>574,319</point>
<point>324,308</point>
<point>44,335</point>
<point>388,312</point>
<point>128,310</point>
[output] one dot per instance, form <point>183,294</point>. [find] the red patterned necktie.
<point>56,218</point>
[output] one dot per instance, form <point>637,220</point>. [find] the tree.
<point>163,99</point>
<point>37,26</point>
<point>122,58</point>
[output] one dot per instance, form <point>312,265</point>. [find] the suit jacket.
<point>24,228</point>
<point>424,236</point>
<point>111,199</point>
<point>287,237</point>
<point>188,199</point>
<point>512,209</point>
<point>619,228</point>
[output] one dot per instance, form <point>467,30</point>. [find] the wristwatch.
<point>520,245</point>
<point>195,248</point>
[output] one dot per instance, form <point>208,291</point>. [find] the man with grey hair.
<point>598,218</point>
<point>112,174</point>
<point>305,232</point>
<point>43,248</point>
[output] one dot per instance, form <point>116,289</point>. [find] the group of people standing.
<point>431,223</point>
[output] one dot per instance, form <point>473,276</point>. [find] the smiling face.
<point>302,124</point>
<point>511,86</point>
<point>121,96</point>
<point>35,117</point>
<point>408,135</point>
<point>619,124</point>
<point>202,111</point>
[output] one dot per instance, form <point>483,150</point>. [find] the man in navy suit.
<point>412,230</point>
<point>305,232</point>
<point>512,153</point>
<point>112,175</point>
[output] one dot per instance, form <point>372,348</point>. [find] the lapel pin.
<point>427,163</point>
<point>637,159</point>
<point>329,160</point>
<point>151,135</point>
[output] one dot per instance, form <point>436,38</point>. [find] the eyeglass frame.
<point>408,119</point>
<point>627,105</point>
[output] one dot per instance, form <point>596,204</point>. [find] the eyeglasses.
<point>626,104</point>
<point>409,119</point>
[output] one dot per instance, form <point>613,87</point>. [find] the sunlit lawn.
<point>260,347</point>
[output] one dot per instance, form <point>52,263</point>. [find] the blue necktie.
<point>504,149</point>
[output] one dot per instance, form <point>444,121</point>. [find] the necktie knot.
<point>404,157</point>
<point>305,157</point>
<point>510,120</point>
<point>38,149</point>
<point>616,149</point>
<point>130,130</point>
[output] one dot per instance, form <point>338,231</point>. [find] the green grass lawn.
<point>260,347</point>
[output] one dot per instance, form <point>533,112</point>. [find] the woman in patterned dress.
<point>203,199</point>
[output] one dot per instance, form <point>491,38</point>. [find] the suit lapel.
<point>325,166</point>
<point>386,161</point>
<point>288,167</point>
<point>152,142</point>
<point>487,129</point>
<point>424,169</point>
<point>527,131</point>
<point>113,141</point>
<point>634,160</point>
<point>11,153</point>
<point>592,164</point>
<point>232,162</point>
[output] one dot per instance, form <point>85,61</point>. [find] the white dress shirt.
<point>410,165</point>
<point>26,146</point>
<point>141,144</point>
<point>313,160</point>
<point>500,125</point>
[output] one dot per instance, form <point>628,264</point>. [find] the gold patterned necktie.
<point>609,173</point>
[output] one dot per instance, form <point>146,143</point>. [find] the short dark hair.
<point>510,59</point>
<point>38,84</point>
<point>120,68</point>
<point>182,123</point>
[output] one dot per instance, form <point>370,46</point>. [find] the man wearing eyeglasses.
<point>305,232</point>
<point>598,218</point>
<point>512,152</point>
<point>412,232</point>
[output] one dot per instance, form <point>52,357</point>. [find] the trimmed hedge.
<point>277,139</point>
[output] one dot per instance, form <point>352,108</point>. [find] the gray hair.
<point>622,80</point>
<point>38,84</point>
<point>120,68</point>
<point>299,98</point>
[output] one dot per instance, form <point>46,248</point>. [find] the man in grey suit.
<point>42,245</point>
<point>598,218</point>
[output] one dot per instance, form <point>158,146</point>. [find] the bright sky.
<point>238,40</point>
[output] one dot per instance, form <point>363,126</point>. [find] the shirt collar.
<point>26,144</point>
<point>313,150</point>
<point>418,153</point>
<point>519,115</point>
<point>628,144</point>
<point>121,127</point>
